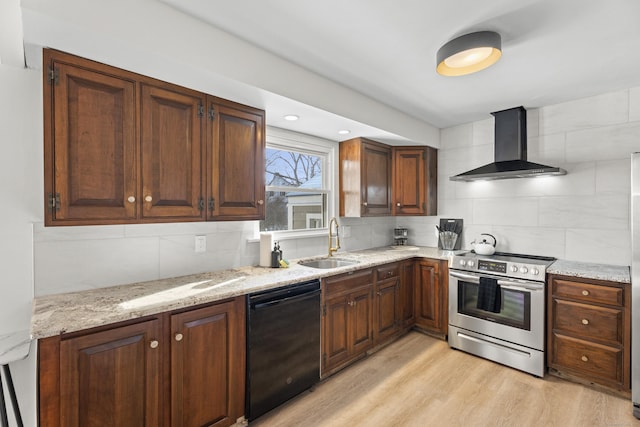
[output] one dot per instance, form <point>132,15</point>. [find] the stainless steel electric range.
<point>497,308</point>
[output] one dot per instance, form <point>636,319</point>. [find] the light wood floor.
<point>419,381</point>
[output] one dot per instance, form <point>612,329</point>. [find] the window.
<point>299,180</point>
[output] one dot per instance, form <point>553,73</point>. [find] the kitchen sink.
<point>326,263</point>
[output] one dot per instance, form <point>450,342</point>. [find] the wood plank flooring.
<point>419,381</point>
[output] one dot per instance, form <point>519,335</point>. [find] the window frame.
<point>283,139</point>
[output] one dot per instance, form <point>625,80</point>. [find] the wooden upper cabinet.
<point>414,181</point>
<point>365,178</point>
<point>172,121</point>
<point>125,148</point>
<point>236,162</point>
<point>90,142</point>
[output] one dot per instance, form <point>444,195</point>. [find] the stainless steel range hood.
<point>510,151</point>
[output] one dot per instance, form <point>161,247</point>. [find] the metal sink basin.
<point>326,263</point>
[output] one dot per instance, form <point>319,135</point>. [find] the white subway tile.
<point>530,240</point>
<point>602,110</point>
<point>521,211</point>
<point>604,143</point>
<point>170,229</point>
<point>459,160</point>
<point>634,104</point>
<point>598,246</point>
<point>605,212</point>
<point>533,123</point>
<point>488,189</point>
<point>455,208</point>
<point>456,136</point>
<point>66,266</point>
<point>580,179</point>
<point>483,132</point>
<point>89,232</point>
<point>613,176</point>
<point>547,149</point>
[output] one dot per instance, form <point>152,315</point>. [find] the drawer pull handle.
<point>585,293</point>
<point>585,321</point>
<point>153,344</point>
<point>584,358</point>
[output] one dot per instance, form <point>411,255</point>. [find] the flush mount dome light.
<point>469,53</point>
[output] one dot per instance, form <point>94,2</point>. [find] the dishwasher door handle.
<point>283,301</point>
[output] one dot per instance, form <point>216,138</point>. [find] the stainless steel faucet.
<point>331,236</point>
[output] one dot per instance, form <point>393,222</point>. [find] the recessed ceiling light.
<point>344,132</point>
<point>291,117</point>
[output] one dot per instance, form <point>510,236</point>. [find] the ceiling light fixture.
<point>469,53</point>
<point>291,117</point>
<point>344,132</point>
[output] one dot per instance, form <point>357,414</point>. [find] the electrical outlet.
<point>201,244</point>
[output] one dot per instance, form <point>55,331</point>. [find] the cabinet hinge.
<point>212,113</point>
<point>324,310</point>
<point>53,75</point>
<point>212,203</point>
<point>200,110</point>
<point>201,204</point>
<point>54,202</point>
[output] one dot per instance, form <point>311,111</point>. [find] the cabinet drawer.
<point>589,321</point>
<point>597,362</point>
<point>348,281</point>
<point>587,292</point>
<point>387,271</point>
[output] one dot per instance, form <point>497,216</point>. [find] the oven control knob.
<point>463,262</point>
<point>524,269</point>
<point>470,263</point>
<point>514,268</point>
<point>535,271</point>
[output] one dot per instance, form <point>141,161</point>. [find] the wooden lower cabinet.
<point>431,295</point>
<point>175,369</point>
<point>589,331</point>
<point>387,319</point>
<point>407,293</point>
<point>347,319</point>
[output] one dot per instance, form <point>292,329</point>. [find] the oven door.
<point>521,316</point>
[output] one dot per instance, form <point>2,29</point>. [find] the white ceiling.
<point>553,50</point>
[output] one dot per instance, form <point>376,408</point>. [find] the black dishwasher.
<point>283,345</point>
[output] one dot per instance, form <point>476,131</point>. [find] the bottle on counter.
<point>276,255</point>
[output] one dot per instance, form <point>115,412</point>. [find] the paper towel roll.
<point>266,246</point>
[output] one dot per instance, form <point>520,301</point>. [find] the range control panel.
<point>521,268</point>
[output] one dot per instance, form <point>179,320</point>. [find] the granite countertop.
<point>69,312</point>
<point>612,273</point>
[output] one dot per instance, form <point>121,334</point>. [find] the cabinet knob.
<point>585,321</point>
<point>584,358</point>
<point>131,199</point>
<point>365,204</point>
<point>261,202</point>
<point>379,293</point>
<point>398,204</point>
<point>148,198</point>
<point>585,292</point>
<point>179,337</point>
<point>153,344</point>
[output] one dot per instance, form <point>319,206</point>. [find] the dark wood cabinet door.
<point>430,297</point>
<point>236,161</point>
<point>376,179</point>
<point>207,366</point>
<point>111,378</point>
<point>171,152</point>
<point>387,318</point>
<point>90,144</point>
<point>335,339</point>
<point>407,293</point>
<point>361,320</point>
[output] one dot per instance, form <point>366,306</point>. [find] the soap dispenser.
<point>276,255</point>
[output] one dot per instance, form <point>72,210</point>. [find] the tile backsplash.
<point>583,215</point>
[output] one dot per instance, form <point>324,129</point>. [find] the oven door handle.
<point>518,286</point>
<point>468,277</point>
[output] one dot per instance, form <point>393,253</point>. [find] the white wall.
<point>583,215</point>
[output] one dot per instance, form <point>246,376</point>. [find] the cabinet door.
<point>361,320</point>
<point>387,319</point>
<point>414,181</point>
<point>430,296</point>
<point>111,378</point>
<point>90,145</point>
<point>207,366</point>
<point>171,153</point>
<point>407,293</point>
<point>376,179</point>
<point>236,159</point>
<point>335,340</point>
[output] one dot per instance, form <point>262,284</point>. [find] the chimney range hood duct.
<point>510,151</point>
